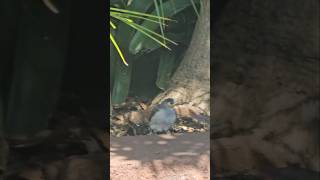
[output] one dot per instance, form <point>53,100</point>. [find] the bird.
<point>163,116</point>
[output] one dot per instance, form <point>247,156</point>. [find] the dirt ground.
<point>168,157</point>
<point>79,145</point>
<point>136,152</point>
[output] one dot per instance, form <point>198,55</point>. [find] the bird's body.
<point>162,116</point>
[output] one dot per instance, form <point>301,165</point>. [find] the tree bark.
<point>190,84</point>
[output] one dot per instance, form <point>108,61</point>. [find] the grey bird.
<point>163,116</point>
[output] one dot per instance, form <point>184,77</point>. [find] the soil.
<point>169,157</point>
<point>79,144</point>
<point>181,153</point>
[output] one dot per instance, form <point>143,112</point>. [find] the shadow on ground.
<point>161,156</point>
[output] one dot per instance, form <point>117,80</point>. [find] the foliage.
<point>136,29</point>
<point>127,16</point>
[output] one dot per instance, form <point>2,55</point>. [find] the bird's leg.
<point>133,129</point>
<point>170,131</point>
<point>150,131</point>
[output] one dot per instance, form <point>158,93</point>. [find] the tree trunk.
<point>191,82</point>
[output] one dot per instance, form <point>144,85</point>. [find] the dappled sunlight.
<point>157,154</point>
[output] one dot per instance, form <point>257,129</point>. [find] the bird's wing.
<point>164,116</point>
<point>158,116</point>
<point>154,110</point>
<point>171,113</point>
<point>158,121</point>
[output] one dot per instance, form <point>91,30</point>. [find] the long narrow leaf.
<point>138,13</point>
<point>118,49</point>
<point>138,42</point>
<point>160,21</point>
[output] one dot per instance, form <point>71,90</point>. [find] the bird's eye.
<point>171,102</point>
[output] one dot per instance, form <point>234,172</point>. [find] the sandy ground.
<point>168,157</point>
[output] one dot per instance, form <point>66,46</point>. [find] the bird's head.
<point>169,102</point>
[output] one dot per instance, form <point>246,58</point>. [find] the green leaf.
<point>121,73</point>
<point>165,69</point>
<point>121,83</point>
<point>140,41</point>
